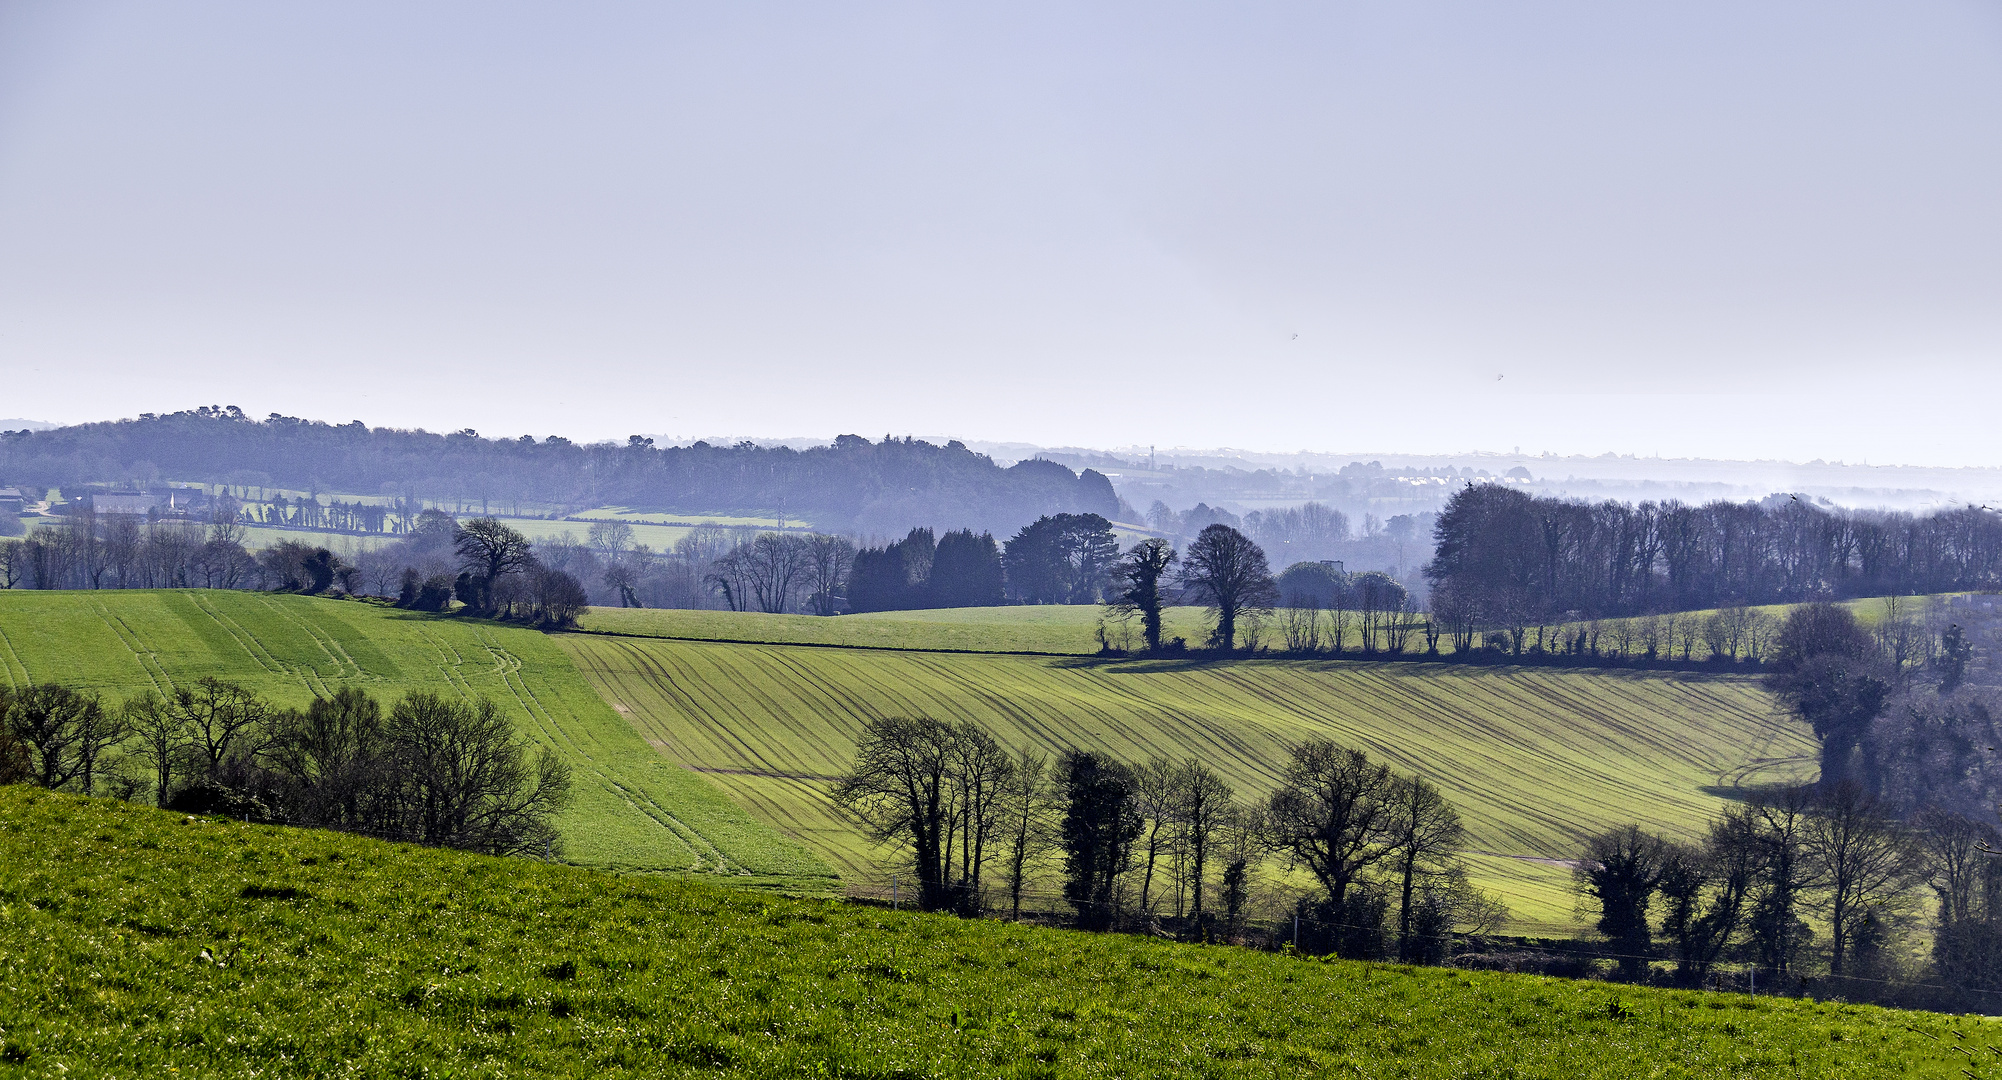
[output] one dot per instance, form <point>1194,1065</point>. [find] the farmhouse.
<point>12,501</point>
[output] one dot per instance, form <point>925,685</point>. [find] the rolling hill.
<point>138,943</point>
<point>632,810</point>
<point>1532,757</point>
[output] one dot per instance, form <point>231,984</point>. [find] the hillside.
<point>853,484</point>
<point>632,810</point>
<point>1033,628</point>
<point>1532,757</point>
<point>136,943</point>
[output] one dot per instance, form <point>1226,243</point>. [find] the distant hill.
<point>853,484</point>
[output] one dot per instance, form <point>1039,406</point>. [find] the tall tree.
<point>1101,821</point>
<point>1031,822</point>
<point>965,571</point>
<point>1207,806</point>
<point>1224,570</point>
<point>1061,559</point>
<point>1867,865</point>
<point>1423,832</point>
<point>489,550</point>
<point>1137,581</point>
<point>66,733</point>
<point>1619,870</point>
<point>1332,812</point>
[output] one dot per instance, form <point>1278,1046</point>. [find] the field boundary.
<point>1199,657</point>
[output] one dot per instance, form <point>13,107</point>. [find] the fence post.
<point>896,901</point>
<point>1296,934</point>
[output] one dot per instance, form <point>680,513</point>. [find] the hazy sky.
<point>1727,229</point>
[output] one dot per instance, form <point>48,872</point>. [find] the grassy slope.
<point>1045,628</point>
<point>343,956</point>
<point>632,809</point>
<point>1531,756</point>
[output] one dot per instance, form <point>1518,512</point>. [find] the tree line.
<point>1166,845</point>
<point>1508,560</point>
<point>488,567</point>
<point>1743,894</point>
<point>851,485</point>
<point>427,769</point>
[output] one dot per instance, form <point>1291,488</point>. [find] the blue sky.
<point>1716,229</point>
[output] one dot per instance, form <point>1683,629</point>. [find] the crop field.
<point>1533,757</point>
<point>632,809</point>
<point>133,943</point>
<point>1037,628</point>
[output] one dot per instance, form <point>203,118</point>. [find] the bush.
<point>210,797</point>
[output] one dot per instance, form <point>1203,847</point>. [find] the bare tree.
<point>1224,570</point>
<point>489,550</point>
<point>1331,811</point>
<point>1785,878</point>
<point>1423,832</point>
<point>610,538</point>
<point>164,739</point>
<point>1206,804</point>
<point>1866,863</point>
<point>225,722</point>
<point>1031,822</point>
<point>474,786</point>
<point>776,566</point>
<point>828,560</point>
<point>65,732</point>
<point>909,786</point>
<point>1300,622</point>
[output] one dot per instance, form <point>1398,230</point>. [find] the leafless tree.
<point>1206,804</point>
<point>164,739</point>
<point>730,576</point>
<point>938,789</point>
<point>1866,862</point>
<point>1957,856</point>
<point>828,561</point>
<point>474,786</point>
<point>777,565</point>
<point>610,538</point>
<point>1301,623</point>
<point>1331,812</point>
<point>489,550</point>
<point>66,733</point>
<point>225,722</point>
<point>1224,570</point>
<point>1031,814</point>
<point>1423,832</point>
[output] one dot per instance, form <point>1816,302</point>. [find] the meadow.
<point>1533,757</point>
<point>135,942</point>
<point>631,810</point>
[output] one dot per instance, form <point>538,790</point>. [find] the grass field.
<point>133,944</point>
<point>1532,757</point>
<point>632,810</point>
<point>1040,628</point>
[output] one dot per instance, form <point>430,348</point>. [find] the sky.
<point>1717,229</point>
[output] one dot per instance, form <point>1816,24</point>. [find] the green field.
<point>1533,757</point>
<point>1038,628</point>
<point>136,944</point>
<point>632,810</point>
